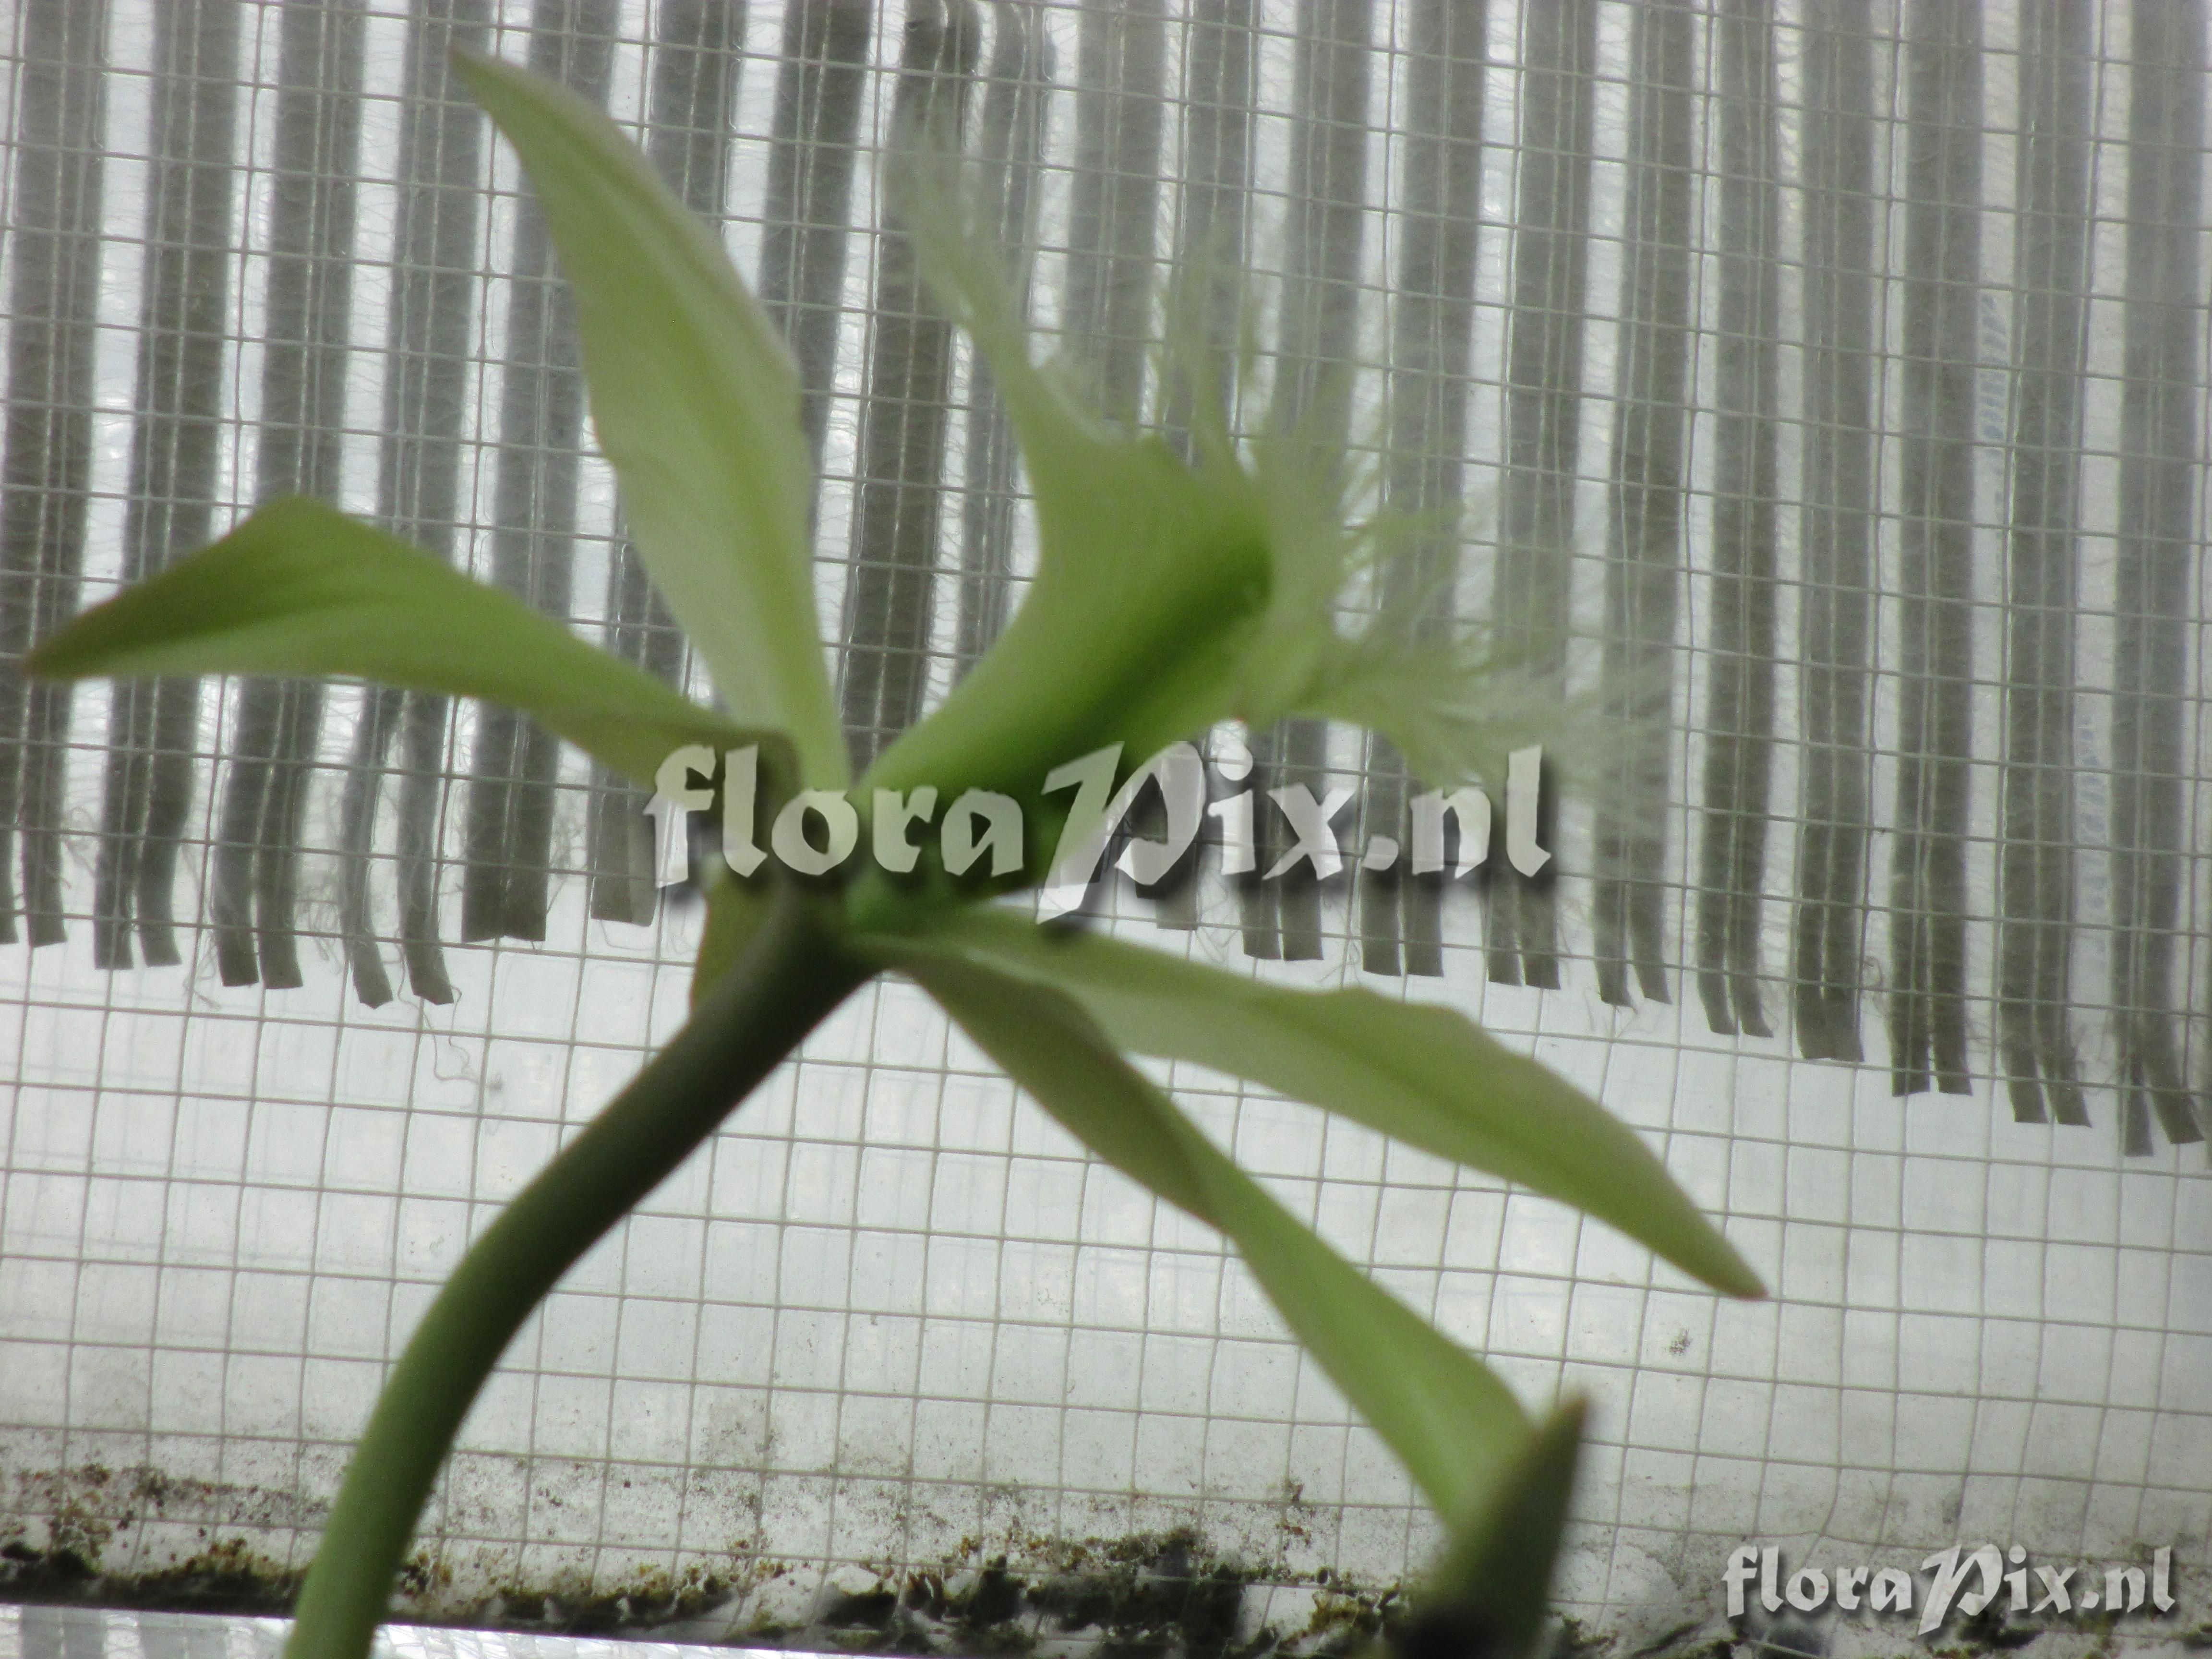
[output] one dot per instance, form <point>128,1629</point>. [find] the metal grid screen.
<point>1828,376</point>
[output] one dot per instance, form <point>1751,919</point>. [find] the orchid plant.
<point>1171,593</point>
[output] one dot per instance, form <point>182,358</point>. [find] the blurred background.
<point>1817,384</point>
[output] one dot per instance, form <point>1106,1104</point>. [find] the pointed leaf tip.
<point>694,401</point>
<point>1490,1592</point>
<point>1419,1072</point>
<point>299,589</point>
<point>1445,1414</point>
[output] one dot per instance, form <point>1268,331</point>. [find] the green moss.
<point>645,1601</point>
<point>1146,1596</point>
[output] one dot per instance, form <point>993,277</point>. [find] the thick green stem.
<point>789,977</point>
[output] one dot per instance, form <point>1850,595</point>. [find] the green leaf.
<point>735,911</point>
<point>1420,1073</point>
<point>694,401</point>
<point>1490,1591</point>
<point>300,588</point>
<point>1448,1418</point>
<point>1152,573</point>
<point>1175,592</point>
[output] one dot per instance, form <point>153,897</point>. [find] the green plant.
<point>1169,595</point>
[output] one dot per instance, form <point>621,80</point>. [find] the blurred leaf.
<point>1448,1418</point>
<point>1173,593</point>
<point>1420,1073</point>
<point>694,401</point>
<point>1489,1594</point>
<point>1151,573</point>
<point>734,912</point>
<point>300,588</point>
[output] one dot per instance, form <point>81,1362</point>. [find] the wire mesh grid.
<point>892,1323</point>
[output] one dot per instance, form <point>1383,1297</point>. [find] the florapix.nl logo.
<point>1967,1581</point>
<point>817,831</point>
